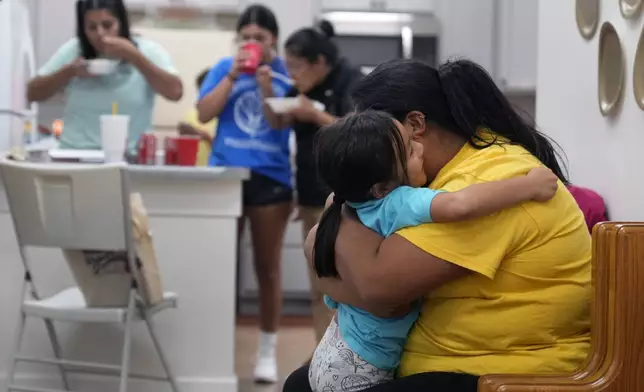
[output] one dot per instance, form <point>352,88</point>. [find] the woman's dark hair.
<point>459,97</point>
<point>260,15</point>
<point>352,156</point>
<point>312,42</point>
<point>201,77</point>
<point>116,7</point>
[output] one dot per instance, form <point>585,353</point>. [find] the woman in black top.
<point>319,73</point>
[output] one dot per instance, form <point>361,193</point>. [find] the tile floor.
<point>295,344</point>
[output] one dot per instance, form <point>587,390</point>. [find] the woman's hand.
<point>306,112</point>
<point>78,69</point>
<point>41,88</point>
<point>544,183</point>
<point>120,48</point>
<point>239,59</point>
<point>265,80</point>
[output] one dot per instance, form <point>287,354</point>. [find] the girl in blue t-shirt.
<point>245,139</point>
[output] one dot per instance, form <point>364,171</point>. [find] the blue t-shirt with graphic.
<point>244,138</point>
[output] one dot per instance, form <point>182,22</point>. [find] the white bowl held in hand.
<point>285,105</point>
<point>101,66</point>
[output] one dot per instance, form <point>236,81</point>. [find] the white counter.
<point>193,214</point>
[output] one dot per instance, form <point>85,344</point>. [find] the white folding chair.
<point>77,207</point>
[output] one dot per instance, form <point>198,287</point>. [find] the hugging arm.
<point>381,276</point>
<point>479,200</point>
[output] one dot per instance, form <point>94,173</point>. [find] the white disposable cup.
<point>114,132</point>
<point>160,158</point>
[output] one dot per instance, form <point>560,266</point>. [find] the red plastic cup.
<point>171,150</point>
<point>253,59</point>
<point>187,147</point>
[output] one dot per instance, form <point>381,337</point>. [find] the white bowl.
<point>284,105</point>
<point>101,66</point>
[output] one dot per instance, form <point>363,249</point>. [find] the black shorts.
<point>260,190</point>
<point>298,381</point>
<point>311,192</point>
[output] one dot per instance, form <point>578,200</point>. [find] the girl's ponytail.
<point>475,101</point>
<point>324,247</point>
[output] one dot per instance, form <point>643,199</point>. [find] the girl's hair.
<point>260,15</point>
<point>459,97</point>
<point>312,42</point>
<point>202,77</point>
<point>116,7</point>
<point>352,156</point>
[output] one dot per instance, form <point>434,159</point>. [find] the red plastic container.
<point>254,53</point>
<point>170,146</point>
<point>187,148</point>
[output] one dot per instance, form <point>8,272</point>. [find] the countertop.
<point>189,172</point>
<point>159,171</point>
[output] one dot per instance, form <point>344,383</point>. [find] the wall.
<point>525,104</point>
<point>291,15</point>
<point>54,24</point>
<point>185,46</point>
<point>467,30</point>
<point>604,154</point>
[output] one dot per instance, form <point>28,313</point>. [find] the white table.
<point>193,214</point>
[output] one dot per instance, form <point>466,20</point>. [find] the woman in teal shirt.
<point>145,69</point>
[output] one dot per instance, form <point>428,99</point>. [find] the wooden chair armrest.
<point>504,382</point>
<point>617,344</point>
<point>538,383</point>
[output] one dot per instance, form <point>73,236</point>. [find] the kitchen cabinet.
<point>379,5</point>
<point>517,45</point>
<point>295,278</point>
<point>349,5</point>
<point>214,5</point>
<point>415,6</point>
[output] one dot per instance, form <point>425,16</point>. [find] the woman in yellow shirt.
<point>507,293</point>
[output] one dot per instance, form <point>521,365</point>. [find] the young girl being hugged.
<point>234,93</point>
<point>372,164</point>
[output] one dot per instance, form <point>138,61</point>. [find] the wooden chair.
<point>616,360</point>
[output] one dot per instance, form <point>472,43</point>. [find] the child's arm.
<point>191,130</point>
<point>479,200</point>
